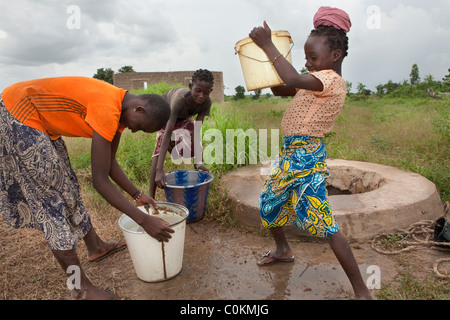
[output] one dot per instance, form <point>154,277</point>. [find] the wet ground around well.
<point>221,265</point>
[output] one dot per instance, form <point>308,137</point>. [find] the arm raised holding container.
<point>293,80</point>
<point>298,179</point>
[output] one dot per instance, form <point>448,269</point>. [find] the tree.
<point>361,89</point>
<point>349,87</point>
<point>446,82</point>
<point>105,75</point>
<point>446,79</point>
<point>240,93</point>
<point>390,86</point>
<point>257,94</point>
<point>429,84</point>
<point>414,78</point>
<point>126,69</point>
<point>380,89</point>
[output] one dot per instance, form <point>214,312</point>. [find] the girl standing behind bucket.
<point>184,104</point>
<point>295,190</point>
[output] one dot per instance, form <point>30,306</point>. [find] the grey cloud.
<point>37,32</point>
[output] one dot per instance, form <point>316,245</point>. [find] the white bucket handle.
<point>237,52</point>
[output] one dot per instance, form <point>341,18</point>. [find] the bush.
<point>221,123</point>
<point>408,92</point>
<point>240,93</point>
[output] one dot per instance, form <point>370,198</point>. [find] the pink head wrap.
<point>334,17</point>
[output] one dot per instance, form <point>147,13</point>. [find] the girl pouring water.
<point>295,191</point>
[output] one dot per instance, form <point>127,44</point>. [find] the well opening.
<point>350,180</point>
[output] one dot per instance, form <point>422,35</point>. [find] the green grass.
<point>407,287</point>
<point>158,88</point>
<point>411,134</point>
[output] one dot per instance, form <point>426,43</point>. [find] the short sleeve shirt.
<point>176,99</point>
<point>67,106</point>
<point>313,113</point>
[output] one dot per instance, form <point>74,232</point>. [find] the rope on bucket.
<point>263,61</point>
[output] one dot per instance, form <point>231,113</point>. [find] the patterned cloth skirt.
<point>295,191</point>
<point>181,144</point>
<point>38,188</point>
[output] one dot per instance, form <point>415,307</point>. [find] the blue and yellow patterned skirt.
<point>295,191</point>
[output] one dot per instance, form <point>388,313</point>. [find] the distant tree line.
<point>415,87</point>
<point>107,74</point>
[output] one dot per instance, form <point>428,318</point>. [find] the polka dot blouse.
<point>313,113</point>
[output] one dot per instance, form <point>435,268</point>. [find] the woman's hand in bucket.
<point>157,228</point>
<point>261,36</point>
<point>145,199</point>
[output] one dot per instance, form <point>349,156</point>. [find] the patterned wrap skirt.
<point>38,188</point>
<point>181,144</point>
<point>295,191</point>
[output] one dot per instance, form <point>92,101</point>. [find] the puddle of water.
<point>223,267</point>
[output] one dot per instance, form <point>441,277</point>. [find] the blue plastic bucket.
<point>190,189</point>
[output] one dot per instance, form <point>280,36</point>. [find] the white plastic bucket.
<point>259,73</point>
<point>153,260</point>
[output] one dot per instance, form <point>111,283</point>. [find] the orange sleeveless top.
<point>67,106</point>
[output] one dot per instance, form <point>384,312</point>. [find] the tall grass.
<point>219,126</point>
<point>158,88</point>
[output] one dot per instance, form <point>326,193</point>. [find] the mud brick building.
<point>138,80</point>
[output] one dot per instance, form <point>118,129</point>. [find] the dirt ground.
<point>219,264</point>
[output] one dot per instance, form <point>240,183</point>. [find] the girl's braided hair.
<point>336,39</point>
<point>203,75</point>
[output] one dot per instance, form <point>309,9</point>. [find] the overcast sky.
<point>48,38</point>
